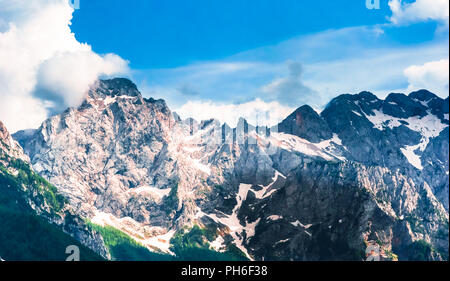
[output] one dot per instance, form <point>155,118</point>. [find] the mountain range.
<point>125,178</point>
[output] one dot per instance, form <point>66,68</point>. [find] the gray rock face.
<point>317,215</point>
<point>74,225</point>
<point>394,133</point>
<point>116,141</point>
<point>435,172</point>
<point>114,87</point>
<point>402,106</point>
<point>10,146</point>
<point>348,116</point>
<point>307,124</point>
<point>437,105</point>
<point>320,188</point>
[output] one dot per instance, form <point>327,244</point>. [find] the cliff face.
<point>316,187</point>
<point>9,146</point>
<point>36,222</point>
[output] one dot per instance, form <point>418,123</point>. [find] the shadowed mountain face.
<point>307,124</point>
<point>321,187</point>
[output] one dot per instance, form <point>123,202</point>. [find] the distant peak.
<point>396,96</point>
<point>364,97</point>
<point>206,123</point>
<point>306,109</point>
<point>242,120</point>
<point>306,123</point>
<point>9,145</point>
<point>422,95</point>
<point>367,95</point>
<point>4,134</point>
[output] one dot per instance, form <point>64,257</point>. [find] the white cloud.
<point>420,10</point>
<point>433,76</point>
<point>42,65</point>
<point>66,76</point>
<point>256,112</point>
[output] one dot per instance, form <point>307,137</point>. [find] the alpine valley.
<point>125,178</point>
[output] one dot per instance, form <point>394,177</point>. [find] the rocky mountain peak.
<point>403,106</point>
<point>113,88</point>
<point>244,125</point>
<point>125,161</point>
<point>5,138</point>
<point>422,95</point>
<point>9,146</point>
<point>4,134</point>
<point>365,95</point>
<point>306,123</point>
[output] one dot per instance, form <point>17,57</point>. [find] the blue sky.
<point>218,58</point>
<point>212,53</point>
<point>159,34</point>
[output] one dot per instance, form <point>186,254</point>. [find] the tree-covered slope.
<point>187,245</point>
<point>28,237</point>
<point>27,205</point>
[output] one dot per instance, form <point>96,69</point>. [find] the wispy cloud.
<point>333,62</point>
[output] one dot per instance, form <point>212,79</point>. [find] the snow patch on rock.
<point>412,157</point>
<point>154,238</point>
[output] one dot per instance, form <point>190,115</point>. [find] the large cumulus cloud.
<point>43,68</point>
<point>432,76</point>
<point>407,12</point>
